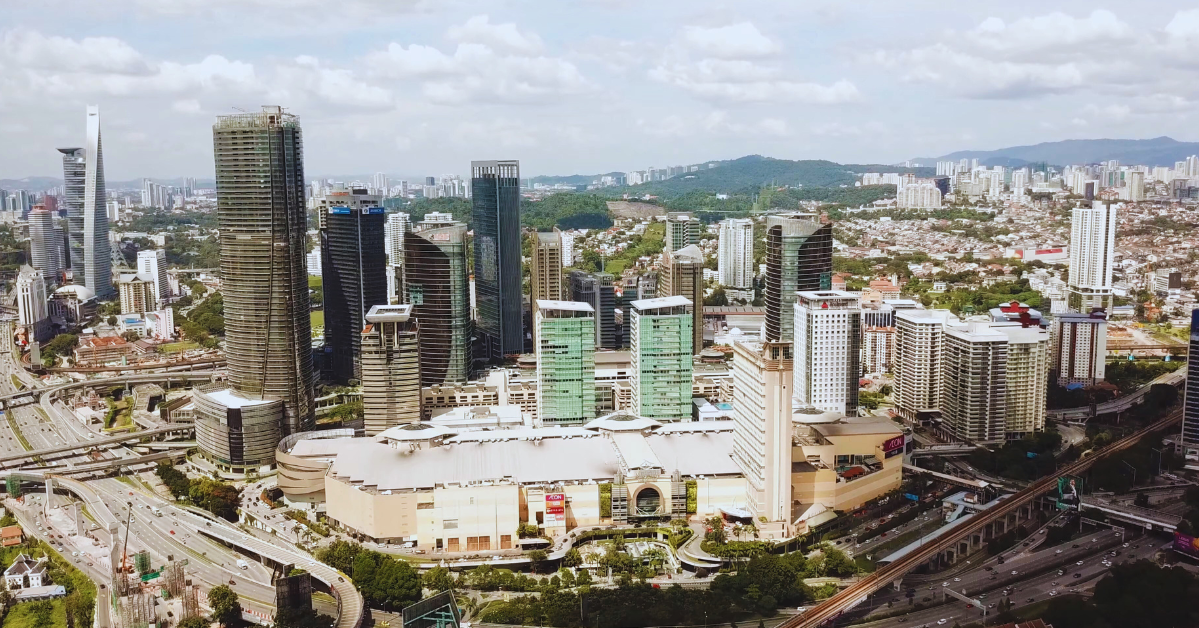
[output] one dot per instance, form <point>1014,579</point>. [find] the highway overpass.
<point>1118,405</point>
<point>1146,518</point>
<point>893,574</point>
<point>99,443</point>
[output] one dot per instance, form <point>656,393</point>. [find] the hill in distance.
<point>1159,151</point>
<point>749,173</point>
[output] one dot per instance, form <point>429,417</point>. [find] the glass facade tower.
<point>661,363</point>
<point>799,256</point>
<point>495,188</point>
<point>353,276</point>
<point>565,362</point>
<point>438,290</point>
<point>263,233</point>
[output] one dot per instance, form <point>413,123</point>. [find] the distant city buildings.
<point>153,263</point>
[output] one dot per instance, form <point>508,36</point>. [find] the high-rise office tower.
<point>599,291</point>
<point>682,229</point>
<point>762,376</point>
<point>735,256</point>
<point>974,383</point>
<point>153,263</point>
<point>45,244</point>
<point>391,380</point>
<point>565,340</point>
<point>32,303</point>
<point>1092,248</point>
<point>827,349</point>
<point>919,345</point>
<point>263,237</point>
<point>799,256</point>
<point>545,267</point>
<point>1078,353</point>
<point>97,254</point>
<point>398,224</point>
<point>660,347</point>
<point>74,177</point>
<point>495,186</point>
<point>1027,378</point>
<point>437,288</point>
<point>353,275</point>
<point>1190,411</point>
<point>683,275</point>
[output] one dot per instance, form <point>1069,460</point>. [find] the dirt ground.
<point>633,209</point>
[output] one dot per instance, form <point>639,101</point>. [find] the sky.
<point>422,87</point>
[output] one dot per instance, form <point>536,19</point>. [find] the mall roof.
<point>857,428</point>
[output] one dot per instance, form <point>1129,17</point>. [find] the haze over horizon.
<point>582,87</point>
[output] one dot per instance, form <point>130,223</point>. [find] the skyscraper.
<point>974,383</point>
<point>353,275</point>
<point>1027,379</point>
<point>438,290</point>
<point>97,260</point>
<point>599,291</point>
<point>683,275</point>
<point>545,267</point>
<point>660,348</point>
<point>565,339</point>
<point>1190,412</point>
<point>74,177</point>
<point>32,304</point>
<point>263,224</point>
<point>1078,354</point>
<point>735,256</point>
<point>682,229</point>
<point>153,263</point>
<point>762,375</point>
<point>495,186</point>
<point>398,224</point>
<point>799,256</point>
<point>828,332</point>
<point>1092,247</point>
<point>919,345</point>
<point>391,380</point>
<point>45,244</point>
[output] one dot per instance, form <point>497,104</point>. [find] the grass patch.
<point>22,616</point>
<point>178,347</point>
<point>318,318</point>
<point>12,423</point>
<point>61,571</point>
<point>16,381</point>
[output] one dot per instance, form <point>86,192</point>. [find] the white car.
<point>957,579</point>
<point>944,584</point>
<point>942,622</point>
<point>1058,552</point>
<point>1078,563</point>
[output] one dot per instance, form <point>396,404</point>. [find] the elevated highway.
<point>893,574</point>
<point>1146,518</point>
<point>1118,405</point>
<point>99,443</point>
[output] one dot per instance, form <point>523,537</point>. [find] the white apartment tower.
<point>1078,350</point>
<point>827,349</point>
<point>1092,247</point>
<point>762,375</point>
<point>32,302</point>
<point>974,383</point>
<point>919,340</point>
<point>736,253</point>
<point>153,263</point>
<point>1027,379</point>
<point>397,225</point>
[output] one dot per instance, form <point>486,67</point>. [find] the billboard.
<point>1069,488</point>
<point>555,504</point>
<point>1185,544</point>
<point>891,444</point>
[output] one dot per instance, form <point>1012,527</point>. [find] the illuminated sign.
<point>340,210</point>
<point>891,444</point>
<point>372,210</point>
<point>555,504</point>
<point>1185,544</point>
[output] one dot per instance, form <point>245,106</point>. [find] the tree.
<point>340,555</point>
<point>717,298</point>
<point>43,613</point>
<point>438,579</point>
<point>536,557</point>
<point>194,622</point>
<point>301,618</point>
<point>225,606</point>
<point>572,558</point>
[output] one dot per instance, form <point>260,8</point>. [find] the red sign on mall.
<point>555,504</point>
<point>891,444</point>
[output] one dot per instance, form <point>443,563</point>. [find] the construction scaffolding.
<point>191,601</point>
<point>137,610</point>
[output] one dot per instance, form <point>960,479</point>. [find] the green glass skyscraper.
<point>565,340</point>
<point>660,342</point>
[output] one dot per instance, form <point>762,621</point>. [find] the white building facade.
<point>827,349</point>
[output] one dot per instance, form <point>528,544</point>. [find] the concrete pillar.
<point>898,583</point>
<point>49,497</point>
<point>114,553</point>
<point>79,527</point>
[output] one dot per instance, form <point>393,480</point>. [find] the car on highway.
<point>1077,575</point>
<point>1030,600</point>
<point>1053,593</point>
<point>944,584</point>
<point>1078,563</point>
<point>1015,573</point>
<point>957,579</point>
<point>1058,552</point>
<point>942,622</point>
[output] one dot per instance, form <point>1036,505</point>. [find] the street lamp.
<point>1134,471</point>
<point>1159,459</point>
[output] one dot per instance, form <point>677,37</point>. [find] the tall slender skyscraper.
<point>762,373</point>
<point>97,260</point>
<point>354,275</point>
<point>545,267</point>
<point>683,275</point>
<point>1190,412</point>
<point>263,233</point>
<point>735,258</point>
<point>599,291</point>
<point>438,289</point>
<point>495,187</point>
<point>799,256</point>
<point>1092,249</point>
<point>45,244</point>
<point>74,176</point>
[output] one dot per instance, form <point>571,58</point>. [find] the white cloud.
<point>728,64</point>
<point>189,105</point>
<point>735,41</point>
<point>35,51</point>
<point>335,86</point>
<point>1036,38</point>
<point>500,37</point>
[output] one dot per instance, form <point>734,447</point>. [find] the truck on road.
<point>241,564</point>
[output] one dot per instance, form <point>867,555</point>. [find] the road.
<point>857,593</point>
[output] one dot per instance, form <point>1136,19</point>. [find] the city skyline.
<point>850,84</point>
